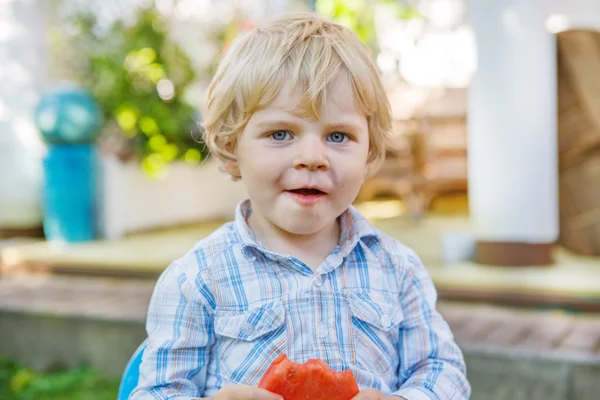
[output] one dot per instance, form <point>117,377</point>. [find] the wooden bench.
<point>428,159</point>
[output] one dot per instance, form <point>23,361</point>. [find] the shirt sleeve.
<point>180,332</point>
<point>432,366</point>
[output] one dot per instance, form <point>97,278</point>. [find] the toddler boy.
<point>297,111</point>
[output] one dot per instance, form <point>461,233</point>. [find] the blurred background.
<point>492,177</point>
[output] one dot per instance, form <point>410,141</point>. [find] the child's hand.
<point>372,394</point>
<point>242,392</point>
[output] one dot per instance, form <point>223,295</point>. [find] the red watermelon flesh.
<point>313,380</point>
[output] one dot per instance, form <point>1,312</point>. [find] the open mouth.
<point>307,196</point>
<point>307,192</point>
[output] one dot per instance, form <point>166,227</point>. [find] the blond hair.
<point>301,49</point>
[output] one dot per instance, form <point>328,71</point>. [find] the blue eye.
<point>281,135</point>
<point>337,137</point>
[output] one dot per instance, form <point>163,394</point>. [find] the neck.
<point>311,249</point>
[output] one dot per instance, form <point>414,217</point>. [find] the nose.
<point>311,154</point>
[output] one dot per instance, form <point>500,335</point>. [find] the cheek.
<point>350,178</point>
<point>260,164</point>
<point>351,165</point>
<point>247,160</point>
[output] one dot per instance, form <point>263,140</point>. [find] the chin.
<point>302,227</point>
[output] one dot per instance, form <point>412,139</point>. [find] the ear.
<point>232,168</point>
<point>231,164</point>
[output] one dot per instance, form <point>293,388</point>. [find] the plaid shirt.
<point>222,313</point>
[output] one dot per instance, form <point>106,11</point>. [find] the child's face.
<point>302,173</point>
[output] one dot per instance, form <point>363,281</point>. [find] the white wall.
<point>22,77</point>
<point>578,13</point>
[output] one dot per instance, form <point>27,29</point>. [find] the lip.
<point>319,188</point>
<point>307,199</point>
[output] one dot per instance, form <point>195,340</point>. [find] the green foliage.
<point>358,14</point>
<point>139,78</point>
<point>354,14</point>
<point>18,383</point>
<point>403,9</point>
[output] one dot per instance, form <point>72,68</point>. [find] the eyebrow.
<point>276,122</point>
<point>342,126</point>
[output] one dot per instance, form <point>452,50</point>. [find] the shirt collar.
<point>248,237</point>
<point>354,227</point>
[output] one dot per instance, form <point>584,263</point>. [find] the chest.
<point>349,316</point>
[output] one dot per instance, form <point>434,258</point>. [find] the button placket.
<point>250,254</point>
<point>323,332</point>
<point>318,281</point>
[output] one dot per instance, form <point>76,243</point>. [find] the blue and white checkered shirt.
<point>223,312</point>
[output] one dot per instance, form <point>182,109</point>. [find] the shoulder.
<point>413,276</point>
<point>397,252</point>
<point>394,255</point>
<point>207,251</point>
<point>390,251</point>
<point>363,228</point>
<point>192,267</point>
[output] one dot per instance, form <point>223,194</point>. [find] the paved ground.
<point>121,299</point>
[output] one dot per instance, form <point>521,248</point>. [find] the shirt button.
<point>318,281</point>
<point>385,320</point>
<point>249,254</point>
<point>247,329</point>
<point>323,332</point>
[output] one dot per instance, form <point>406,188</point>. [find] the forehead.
<point>337,98</point>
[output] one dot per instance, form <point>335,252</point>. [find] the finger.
<point>243,392</point>
<point>262,394</point>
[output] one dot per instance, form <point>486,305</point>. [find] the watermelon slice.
<point>313,380</point>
